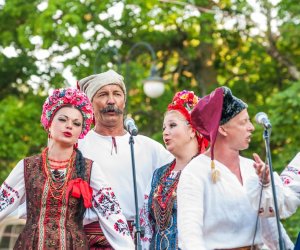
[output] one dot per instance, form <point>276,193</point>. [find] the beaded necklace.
<point>63,161</point>
<point>57,182</point>
<point>56,165</point>
<point>164,197</point>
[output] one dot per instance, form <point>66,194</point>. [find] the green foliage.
<point>281,108</point>
<point>20,129</point>
<point>292,226</point>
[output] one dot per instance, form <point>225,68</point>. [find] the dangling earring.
<point>49,138</point>
<point>75,146</point>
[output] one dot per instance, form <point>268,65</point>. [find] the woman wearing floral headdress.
<point>159,214</point>
<point>60,185</point>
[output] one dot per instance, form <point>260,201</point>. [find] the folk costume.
<point>159,213</point>
<point>214,208</point>
<point>57,193</point>
<point>221,211</point>
<point>112,153</point>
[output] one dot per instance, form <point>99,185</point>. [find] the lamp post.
<point>154,84</point>
<point>115,57</point>
<point>153,87</point>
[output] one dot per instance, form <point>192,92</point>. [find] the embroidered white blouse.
<point>13,195</point>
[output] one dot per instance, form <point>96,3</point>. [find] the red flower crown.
<point>184,102</point>
<point>68,96</point>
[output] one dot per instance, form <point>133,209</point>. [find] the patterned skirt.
<point>96,237</point>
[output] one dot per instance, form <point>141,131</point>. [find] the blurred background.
<point>251,46</point>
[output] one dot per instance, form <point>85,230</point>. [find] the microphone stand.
<point>266,137</point>
<point>137,216</point>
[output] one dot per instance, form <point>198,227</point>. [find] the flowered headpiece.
<point>68,96</point>
<point>184,102</point>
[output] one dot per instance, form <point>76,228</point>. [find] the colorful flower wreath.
<point>68,96</point>
<point>184,102</point>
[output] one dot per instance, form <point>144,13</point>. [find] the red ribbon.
<point>79,187</point>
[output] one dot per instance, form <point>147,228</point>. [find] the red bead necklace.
<point>56,164</point>
<point>56,161</point>
<point>57,189</point>
<point>164,197</point>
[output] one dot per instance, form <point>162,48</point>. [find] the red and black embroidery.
<point>286,177</point>
<point>7,195</point>
<point>121,227</point>
<point>106,202</point>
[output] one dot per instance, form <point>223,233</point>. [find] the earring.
<point>49,138</point>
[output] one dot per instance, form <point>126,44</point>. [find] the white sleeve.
<point>12,191</point>
<point>291,175</point>
<point>105,205</point>
<point>161,155</point>
<point>146,221</point>
<point>270,234</point>
<point>287,199</point>
<point>22,211</point>
<point>190,212</point>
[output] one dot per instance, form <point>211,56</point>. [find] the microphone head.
<point>260,116</point>
<point>130,126</point>
<point>128,121</point>
<point>262,119</point>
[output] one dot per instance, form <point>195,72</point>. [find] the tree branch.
<point>273,51</point>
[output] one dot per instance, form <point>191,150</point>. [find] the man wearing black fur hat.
<point>214,209</point>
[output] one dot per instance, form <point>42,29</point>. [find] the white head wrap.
<point>91,84</point>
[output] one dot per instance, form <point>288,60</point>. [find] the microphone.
<point>262,119</point>
<point>130,126</point>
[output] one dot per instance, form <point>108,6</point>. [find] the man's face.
<point>109,104</point>
<point>238,131</point>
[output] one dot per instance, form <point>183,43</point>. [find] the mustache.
<point>111,108</point>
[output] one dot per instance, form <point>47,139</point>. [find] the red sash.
<point>96,237</point>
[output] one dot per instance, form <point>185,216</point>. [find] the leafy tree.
<point>199,45</point>
<point>20,129</point>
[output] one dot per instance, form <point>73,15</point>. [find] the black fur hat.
<point>231,106</point>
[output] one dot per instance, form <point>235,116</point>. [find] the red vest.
<point>51,223</point>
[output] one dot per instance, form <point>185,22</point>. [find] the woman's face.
<point>177,132</point>
<point>66,126</point>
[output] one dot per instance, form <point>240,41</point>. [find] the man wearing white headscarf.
<point>108,145</point>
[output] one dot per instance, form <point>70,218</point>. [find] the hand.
<point>262,170</point>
